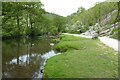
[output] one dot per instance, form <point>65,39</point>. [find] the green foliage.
<point>81,10</point>
<point>17,18</point>
<point>29,19</point>
<point>115,33</point>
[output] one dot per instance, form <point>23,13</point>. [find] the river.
<point>25,57</point>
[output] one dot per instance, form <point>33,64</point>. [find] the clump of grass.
<point>72,42</point>
<point>83,58</point>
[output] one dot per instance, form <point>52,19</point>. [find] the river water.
<point>25,58</point>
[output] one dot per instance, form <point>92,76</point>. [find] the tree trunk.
<point>18,26</point>
<point>27,20</point>
<point>31,27</point>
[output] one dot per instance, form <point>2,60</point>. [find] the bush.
<point>115,33</point>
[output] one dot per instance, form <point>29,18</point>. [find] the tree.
<point>60,22</point>
<point>81,9</point>
<point>19,16</point>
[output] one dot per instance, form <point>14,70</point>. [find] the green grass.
<point>83,58</point>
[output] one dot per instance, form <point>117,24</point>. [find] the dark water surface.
<point>24,58</point>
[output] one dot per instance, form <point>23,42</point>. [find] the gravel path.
<point>113,43</point>
<point>79,35</point>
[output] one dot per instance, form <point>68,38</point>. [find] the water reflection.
<point>44,57</point>
<point>24,58</point>
<point>48,54</point>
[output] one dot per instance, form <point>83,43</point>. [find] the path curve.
<point>113,43</point>
<point>79,35</point>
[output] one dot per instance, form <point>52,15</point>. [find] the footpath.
<point>113,43</point>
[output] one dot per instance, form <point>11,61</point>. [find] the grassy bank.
<point>82,58</point>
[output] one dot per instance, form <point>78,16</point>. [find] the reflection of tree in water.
<point>18,46</point>
<point>19,50</point>
<point>20,68</point>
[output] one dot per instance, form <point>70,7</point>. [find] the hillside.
<point>101,19</point>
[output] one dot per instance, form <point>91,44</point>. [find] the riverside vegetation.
<point>80,58</point>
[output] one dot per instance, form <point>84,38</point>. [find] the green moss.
<point>83,58</point>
